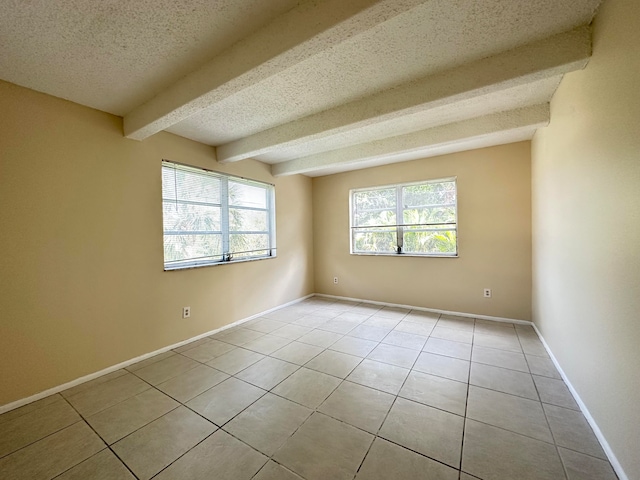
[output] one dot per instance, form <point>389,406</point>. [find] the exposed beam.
<point>301,33</point>
<point>552,56</point>
<point>531,117</point>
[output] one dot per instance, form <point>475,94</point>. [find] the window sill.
<point>431,255</point>
<point>216,264</point>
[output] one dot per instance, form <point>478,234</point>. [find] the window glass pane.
<point>429,194</point>
<point>248,244</point>
<point>247,220</point>
<point>192,247</point>
<point>192,218</point>
<point>245,195</point>
<point>194,187</point>
<point>374,240</point>
<point>430,215</point>
<point>440,242</point>
<point>374,207</point>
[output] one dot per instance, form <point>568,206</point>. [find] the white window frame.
<point>399,226</point>
<point>226,257</point>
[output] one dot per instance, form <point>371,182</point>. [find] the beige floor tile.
<point>53,454</point>
<point>388,461</point>
<point>324,448</point>
<point>268,423</point>
<point>338,326</point>
<point>490,327</point>
<point>102,466</point>
<point>393,312</point>
<point>105,395</point>
<point>453,334</point>
<point>499,358</point>
<point>286,315</point>
<point>437,392</point>
<point>357,405</point>
<point>315,320</point>
<point>503,380</point>
<point>368,332</point>
<point>267,373</point>
<point>192,383</point>
<point>405,340</point>
<point>447,367</point>
<point>191,345</point>
<point>533,346</point>
<point>414,328</point>
<point>427,430</point>
<point>166,369</point>
<point>150,360</point>
<point>235,361</point>
<point>466,476</point>
<point>382,322</point>
<point>380,376</point>
<point>354,316</point>
<point>307,387</point>
<point>219,457</point>
<point>571,430</point>
<point>422,316</point>
<point>401,357</point>
<point>511,344</point>
<point>35,425</point>
<point>448,348</point>
<point>490,452</point>
<point>354,346</point>
<point>542,366</point>
<point>264,325</point>
<point>334,363</point>
<point>150,449</point>
<point>292,332</point>
<point>224,401</point>
<point>267,344</point>
<point>208,351</point>
<point>92,383</point>
<point>273,471</point>
<point>555,392</point>
<point>128,416</point>
<point>297,352</point>
<point>240,336</point>
<point>517,414</point>
<point>583,467</point>
<point>30,407</point>
<point>454,321</point>
<point>320,338</point>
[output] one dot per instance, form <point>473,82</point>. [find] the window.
<point>408,219</point>
<point>212,218</point>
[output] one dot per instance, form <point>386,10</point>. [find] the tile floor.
<point>318,390</point>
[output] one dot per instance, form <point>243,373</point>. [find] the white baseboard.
<point>434,310</point>
<point>585,411</point>
<point>91,376</point>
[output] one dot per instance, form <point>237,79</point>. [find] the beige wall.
<point>82,281</point>
<point>586,229</point>
<point>494,215</point>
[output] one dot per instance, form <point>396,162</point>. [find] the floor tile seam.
<point>133,365</point>
<point>431,406</point>
<point>303,405</point>
<point>555,444</point>
<point>80,419</point>
<point>507,393</point>
<point>419,453</point>
<point>174,376</point>
<point>497,366</point>
<point>179,457</point>
<point>97,453</point>
<point>107,446</point>
<point>280,465</point>
<point>504,429</point>
<point>31,411</point>
<point>103,383</point>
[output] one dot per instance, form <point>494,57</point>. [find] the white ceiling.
<point>313,87</point>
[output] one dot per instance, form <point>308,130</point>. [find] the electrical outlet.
<point>335,280</point>
<point>487,293</point>
<point>186,312</point>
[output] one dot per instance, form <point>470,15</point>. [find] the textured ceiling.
<point>302,84</point>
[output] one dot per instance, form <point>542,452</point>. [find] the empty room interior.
<point>320,239</point>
